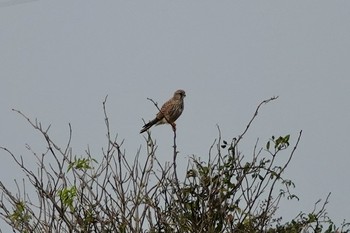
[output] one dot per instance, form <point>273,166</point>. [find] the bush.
<point>228,192</point>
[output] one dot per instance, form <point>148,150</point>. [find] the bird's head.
<point>179,94</point>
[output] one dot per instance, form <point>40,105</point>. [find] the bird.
<point>169,112</point>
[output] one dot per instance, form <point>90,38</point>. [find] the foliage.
<point>229,191</point>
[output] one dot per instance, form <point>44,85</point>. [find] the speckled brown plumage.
<point>169,112</point>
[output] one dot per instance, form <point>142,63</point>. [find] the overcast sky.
<point>59,59</point>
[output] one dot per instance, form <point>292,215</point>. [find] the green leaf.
<point>286,138</point>
<point>67,196</point>
<point>191,173</point>
<point>81,164</point>
<point>268,145</point>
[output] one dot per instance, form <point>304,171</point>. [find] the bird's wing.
<point>165,109</point>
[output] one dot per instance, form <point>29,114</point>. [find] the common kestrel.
<point>170,111</point>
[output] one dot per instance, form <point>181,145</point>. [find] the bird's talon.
<point>173,125</point>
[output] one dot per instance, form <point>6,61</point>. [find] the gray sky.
<point>59,59</point>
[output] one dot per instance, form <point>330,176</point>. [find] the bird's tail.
<point>149,125</point>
